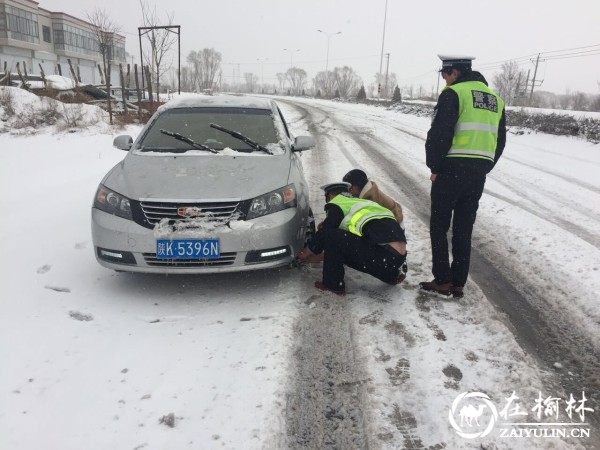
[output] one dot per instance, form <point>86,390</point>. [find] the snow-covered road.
<point>95,359</point>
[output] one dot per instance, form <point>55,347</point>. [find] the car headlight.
<point>273,202</point>
<point>112,203</point>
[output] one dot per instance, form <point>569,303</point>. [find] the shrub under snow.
<point>22,112</point>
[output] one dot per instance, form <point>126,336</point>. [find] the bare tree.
<point>251,81</point>
<point>510,83</point>
<point>104,30</point>
<point>206,64</point>
<point>325,82</point>
<point>392,82</point>
<point>186,79</point>
<point>281,80</point>
<point>161,40</point>
<point>347,81</point>
<point>297,79</point>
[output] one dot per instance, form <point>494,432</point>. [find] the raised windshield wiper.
<point>241,137</point>
<point>187,140</point>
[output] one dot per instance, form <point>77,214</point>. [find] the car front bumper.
<point>265,242</point>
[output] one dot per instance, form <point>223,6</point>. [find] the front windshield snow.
<point>194,125</point>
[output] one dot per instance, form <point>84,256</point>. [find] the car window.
<point>194,123</point>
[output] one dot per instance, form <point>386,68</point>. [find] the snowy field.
<point>96,359</point>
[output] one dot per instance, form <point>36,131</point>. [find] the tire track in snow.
<point>324,404</point>
<point>572,180</point>
<point>545,333</point>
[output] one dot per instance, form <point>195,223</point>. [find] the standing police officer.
<point>466,139</point>
<point>358,233</point>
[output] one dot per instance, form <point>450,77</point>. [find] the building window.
<point>19,24</point>
<point>72,39</point>
<point>77,40</point>
<point>46,33</point>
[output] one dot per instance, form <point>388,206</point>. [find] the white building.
<point>35,36</point>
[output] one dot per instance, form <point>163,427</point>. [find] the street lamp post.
<point>262,70</point>
<point>382,42</point>
<point>291,62</point>
<point>329,36</point>
<point>291,55</point>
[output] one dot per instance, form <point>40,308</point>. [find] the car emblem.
<point>189,211</point>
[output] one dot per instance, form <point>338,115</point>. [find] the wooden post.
<point>25,69</point>
<point>43,75</point>
<point>109,94</point>
<point>127,81</point>
<point>73,74</point>
<point>21,77</point>
<point>123,89</point>
<point>149,81</point>
<point>101,75</point>
<point>59,69</point>
<point>6,79</point>
<point>78,74</point>
<point>137,89</point>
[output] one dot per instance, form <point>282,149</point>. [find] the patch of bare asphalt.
<point>328,379</point>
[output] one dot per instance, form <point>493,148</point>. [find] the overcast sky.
<point>252,34</point>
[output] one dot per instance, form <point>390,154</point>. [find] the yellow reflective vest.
<point>358,211</point>
<point>480,111</point>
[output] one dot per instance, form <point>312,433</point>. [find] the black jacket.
<point>439,137</point>
<point>377,231</point>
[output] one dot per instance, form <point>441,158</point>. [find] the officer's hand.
<point>433,177</point>
<point>320,226</point>
<point>304,254</point>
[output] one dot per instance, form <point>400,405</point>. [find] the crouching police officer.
<point>466,139</point>
<point>360,234</point>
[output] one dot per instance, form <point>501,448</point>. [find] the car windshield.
<point>194,123</point>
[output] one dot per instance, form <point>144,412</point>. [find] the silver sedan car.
<point>211,184</point>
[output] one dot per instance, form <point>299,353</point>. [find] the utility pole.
<point>516,91</point>
<point>533,82</point>
<point>382,43</point>
<point>329,35</point>
<point>385,92</point>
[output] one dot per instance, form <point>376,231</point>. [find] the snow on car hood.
<point>198,177</point>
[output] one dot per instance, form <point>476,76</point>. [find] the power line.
<point>593,50</point>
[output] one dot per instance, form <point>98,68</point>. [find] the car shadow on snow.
<point>278,283</point>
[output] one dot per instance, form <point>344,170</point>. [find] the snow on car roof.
<point>236,101</point>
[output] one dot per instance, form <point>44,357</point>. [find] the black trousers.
<point>344,248</point>
<point>455,193</point>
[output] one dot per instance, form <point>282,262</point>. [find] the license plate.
<point>188,249</point>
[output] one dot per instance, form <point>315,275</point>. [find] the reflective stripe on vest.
<point>358,211</point>
<point>476,131</point>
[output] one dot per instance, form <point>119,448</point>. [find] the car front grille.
<point>154,212</point>
<point>226,259</point>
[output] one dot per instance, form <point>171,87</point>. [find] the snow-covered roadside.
<point>94,359</point>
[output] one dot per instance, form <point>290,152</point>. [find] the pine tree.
<point>318,93</point>
<point>337,93</point>
<point>362,95</point>
<point>397,96</point>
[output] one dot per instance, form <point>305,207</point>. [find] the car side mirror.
<point>303,143</point>
<point>123,142</point>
